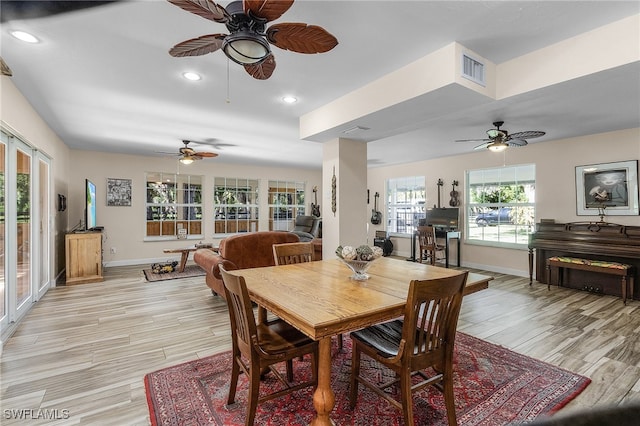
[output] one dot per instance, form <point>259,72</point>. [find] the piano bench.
<point>604,267</point>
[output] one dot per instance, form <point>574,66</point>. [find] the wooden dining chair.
<point>262,346</point>
<point>429,247</point>
<point>423,338</point>
<point>290,253</point>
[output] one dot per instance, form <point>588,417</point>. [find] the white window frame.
<point>286,202</point>
<point>185,214</point>
<point>405,204</point>
<point>483,226</point>
<point>235,206</point>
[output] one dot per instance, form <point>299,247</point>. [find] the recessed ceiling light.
<point>191,76</point>
<point>289,99</point>
<point>24,36</point>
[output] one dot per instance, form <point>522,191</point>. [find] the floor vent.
<point>473,69</point>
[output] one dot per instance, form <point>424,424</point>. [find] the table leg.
<point>446,252</point>
<point>183,261</point>
<point>530,266</point>
<point>324,399</point>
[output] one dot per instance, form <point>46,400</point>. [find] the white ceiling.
<point>102,78</point>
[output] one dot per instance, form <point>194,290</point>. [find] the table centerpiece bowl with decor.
<point>359,259</point>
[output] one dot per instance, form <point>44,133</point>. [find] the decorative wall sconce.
<point>62,203</point>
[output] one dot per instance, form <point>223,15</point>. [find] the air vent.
<point>355,129</point>
<point>473,69</point>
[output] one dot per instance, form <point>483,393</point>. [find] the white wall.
<point>19,118</point>
<point>555,186</point>
<point>125,227</point>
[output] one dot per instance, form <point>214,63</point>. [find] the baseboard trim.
<point>130,262</point>
<point>498,269</point>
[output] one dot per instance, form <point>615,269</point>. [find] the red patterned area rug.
<point>493,386</point>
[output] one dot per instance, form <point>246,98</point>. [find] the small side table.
<point>185,253</point>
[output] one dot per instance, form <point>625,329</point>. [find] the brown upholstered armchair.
<point>307,228</point>
<point>247,250</point>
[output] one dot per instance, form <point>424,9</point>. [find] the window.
<point>174,206</point>
<point>235,203</point>
<point>286,201</point>
<point>406,197</point>
<point>501,205</point>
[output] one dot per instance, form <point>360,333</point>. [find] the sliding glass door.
<point>4,317</point>
<point>22,179</point>
<point>25,227</point>
<point>43,226</point>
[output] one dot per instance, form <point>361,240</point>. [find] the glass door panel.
<point>3,292</point>
<point>23,227</point>
<point>44,215</point>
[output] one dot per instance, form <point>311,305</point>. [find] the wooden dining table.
<point>321,300</point>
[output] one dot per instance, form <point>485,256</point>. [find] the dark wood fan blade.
<point>265,9</point>
<point>4,68</point>
<point>205,154</point>
<point>473,140</point>
<point>301,38</point>
<point>198,46</point>
<point>516,142</point>
<point>263,70</point>
<point>484,145</point>
<point>205,8</point>
<point>529,134</point>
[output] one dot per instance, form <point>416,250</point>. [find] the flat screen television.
<point>90,205</point>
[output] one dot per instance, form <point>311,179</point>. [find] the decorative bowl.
<point>359,268</point>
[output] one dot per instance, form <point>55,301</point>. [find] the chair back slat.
<point>243,322</point>
<point>426,236</point>
<point>431,314</point>
<point>290,253</point>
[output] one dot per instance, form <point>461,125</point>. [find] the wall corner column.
<point>347,160</point>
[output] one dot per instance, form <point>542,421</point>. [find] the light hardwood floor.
<point>86,348</point>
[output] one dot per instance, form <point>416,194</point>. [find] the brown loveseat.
<point>250,250</point>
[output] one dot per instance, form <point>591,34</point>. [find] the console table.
<point>447,235</point>
<point>83,253</point>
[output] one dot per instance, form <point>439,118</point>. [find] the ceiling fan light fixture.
<point>497,146</point>
<point>186,160</point>
<point>245,47</point>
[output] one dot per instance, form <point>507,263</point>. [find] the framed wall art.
<point>608,187</point>
<point>118,192</point>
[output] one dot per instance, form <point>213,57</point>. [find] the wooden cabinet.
<point>83,257</point>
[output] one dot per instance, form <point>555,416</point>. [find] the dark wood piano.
<point>587,240</point>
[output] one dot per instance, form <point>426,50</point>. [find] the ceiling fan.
<point>499,139</point>
<point>189,155</point>
<point>248,41</point>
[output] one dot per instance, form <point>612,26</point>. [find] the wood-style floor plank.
<point>86,348</point>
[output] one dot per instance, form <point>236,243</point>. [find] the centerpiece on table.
<point>359,259</point>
